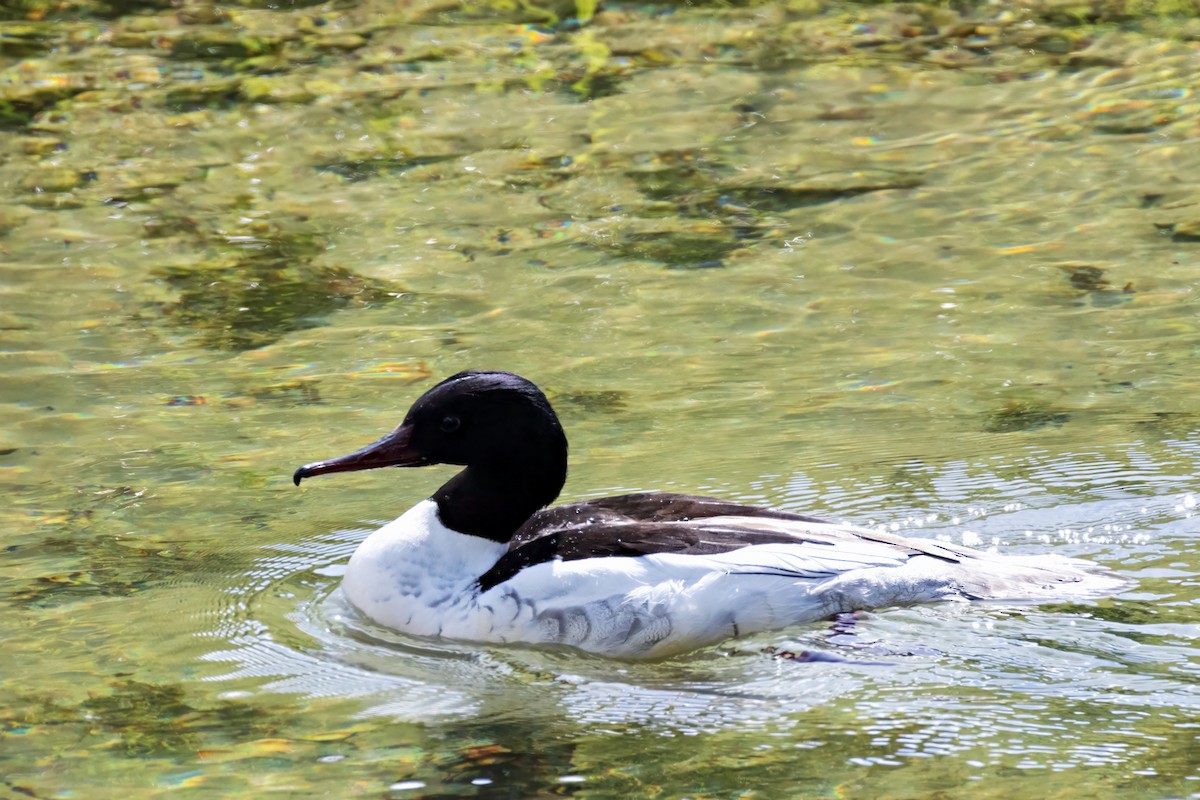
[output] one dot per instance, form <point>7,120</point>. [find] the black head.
<point>498,425</point>
<point>482,418</point>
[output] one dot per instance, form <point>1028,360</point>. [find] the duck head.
<point>499,426</point>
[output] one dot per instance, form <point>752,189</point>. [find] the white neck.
<point>408,573</point>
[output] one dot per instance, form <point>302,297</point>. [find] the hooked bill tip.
<point>299,475</point>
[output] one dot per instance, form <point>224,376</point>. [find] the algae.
<point>264,287</point>
<point>150,719</point>
<point>1024,415</point>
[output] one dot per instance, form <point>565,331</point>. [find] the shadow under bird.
<point>635,576</point>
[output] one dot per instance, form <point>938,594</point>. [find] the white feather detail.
<point>417,576</point>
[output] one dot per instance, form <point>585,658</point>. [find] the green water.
<point>896,265</point>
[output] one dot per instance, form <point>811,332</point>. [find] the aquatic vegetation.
<point>19,105</point>
<point>590,401</point>
<point>91,564</point>
<point>1169,424</point>
<point>1024,415</point>
<point>930,255</point>
<point>1187,230</point>
<point>784,192</point>
<point>677,249</point>
<point>262,288</point>
<point>1085,277</point>
<point>1091,285</point>
<point>151,719</point>
<point>1126,613</point>
<point>361,169</point>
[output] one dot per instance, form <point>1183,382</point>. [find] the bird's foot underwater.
<point>842,633</point>
<point>818,657</point>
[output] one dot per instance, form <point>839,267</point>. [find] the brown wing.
<point>649,523</point>
<point>643,507</point>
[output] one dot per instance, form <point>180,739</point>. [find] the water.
<point>840,261</point>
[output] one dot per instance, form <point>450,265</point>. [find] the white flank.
<point>417,576</point>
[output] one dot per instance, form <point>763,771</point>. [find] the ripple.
<point>999,669</point>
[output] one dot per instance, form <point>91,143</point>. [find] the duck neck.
<point>494,500</point>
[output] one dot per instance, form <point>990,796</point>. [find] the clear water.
<point>958,300</point>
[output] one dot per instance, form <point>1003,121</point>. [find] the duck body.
<point>637,576</point>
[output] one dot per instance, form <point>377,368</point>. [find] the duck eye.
<point>451,424</point>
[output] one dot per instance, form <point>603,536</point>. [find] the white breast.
<point>415,575</point>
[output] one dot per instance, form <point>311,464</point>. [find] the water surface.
<point>900,267</point>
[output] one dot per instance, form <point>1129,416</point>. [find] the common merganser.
<point>637,576</point>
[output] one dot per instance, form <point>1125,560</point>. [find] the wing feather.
<point>776,543</point>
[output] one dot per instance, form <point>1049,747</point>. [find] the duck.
<point>649,575</point>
